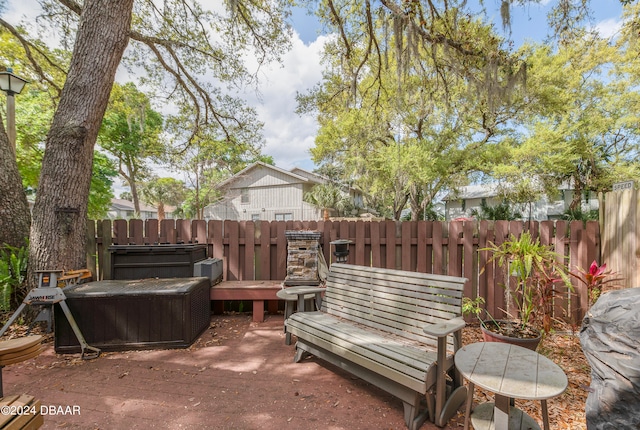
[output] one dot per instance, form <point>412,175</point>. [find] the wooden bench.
<point>256,291</point>
<point>23,412</point>
<point>391,328</point>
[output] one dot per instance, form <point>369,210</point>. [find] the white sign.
<point>627,185</point>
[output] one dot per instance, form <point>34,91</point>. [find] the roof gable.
<point>260,174</point>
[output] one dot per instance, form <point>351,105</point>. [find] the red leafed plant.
<point>595,279</point>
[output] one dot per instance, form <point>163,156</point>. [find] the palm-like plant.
<point>537,269</point>
<point>595,279</point>
<point>326,196</point>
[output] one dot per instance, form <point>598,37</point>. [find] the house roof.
<point>302,176</point>
<point>473,192</point>
<point>126,205</point>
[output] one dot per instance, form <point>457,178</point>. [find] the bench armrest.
<point>445,328</point>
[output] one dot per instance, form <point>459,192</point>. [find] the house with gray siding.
<point>262,192</point>
<point>124,209</point>
<point>459,204</point>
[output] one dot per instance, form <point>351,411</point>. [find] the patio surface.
<point>237,375</point>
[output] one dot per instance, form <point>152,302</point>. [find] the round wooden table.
<point>304,297</point>
<point>511,372</point>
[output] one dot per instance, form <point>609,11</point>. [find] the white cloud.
<point>289,136</point>
<point>609,27</point>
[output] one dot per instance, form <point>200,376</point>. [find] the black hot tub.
<point>120,315</point>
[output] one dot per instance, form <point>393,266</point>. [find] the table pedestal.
<point>303,302</point>
<point>482,418</point>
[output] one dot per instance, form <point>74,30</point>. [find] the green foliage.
<point>13,268</point>
<point>161,192</point>
<point>537,270</point>
<point>327,196</point>
<point>473,306</point>
<point>100,194</point>
<point>501,211</point>
<point>579,215</point>
<point>414,118</point>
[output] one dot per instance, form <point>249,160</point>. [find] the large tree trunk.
<point>58,230</point>
<point>15,218</point>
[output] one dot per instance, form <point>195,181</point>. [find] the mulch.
<point>240,375</point>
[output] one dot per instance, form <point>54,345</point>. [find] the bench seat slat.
<point>386,325</point>
<point>415,352</point>
<point>378,354</point>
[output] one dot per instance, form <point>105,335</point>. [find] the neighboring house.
<point>460,204</point>
<point>265,192</point>
<point>123,209</point>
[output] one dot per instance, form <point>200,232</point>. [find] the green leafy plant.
<point>13,267</point>
<point>474,307</point>
<point>537,270</point>
<point>595,279</point>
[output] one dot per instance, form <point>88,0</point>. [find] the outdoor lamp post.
<point>341,250</point>
<point>12,85</point>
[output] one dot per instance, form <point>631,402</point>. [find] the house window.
<point>255,217</point>
<point>284,217</point>
<point>244,195</point>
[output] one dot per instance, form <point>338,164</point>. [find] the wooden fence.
<point>620,235</point>
<point>258,250</point>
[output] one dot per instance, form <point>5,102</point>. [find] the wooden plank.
<point>136,232</point>
<point>400,274</point>
<point>438,248</point>
<point>390,248</point>
<point>376,248</point>
<point>405,245</point>
<point>104,256</point>
<point>421,247</point>
<point>91,249</point>
<point>249,260</point>
<point>264,255</point>
<point>454,268</point>
<point>370,353</point>
<point>546,232</point>
<point>360,256</point>
<point>168,233</point>
<point>232,240</point>
<point>120,234</point>
<point>578,258</point>
<point>183,231</point>
<point>485,276</point>
<point>325,239</point>
<point>495,299</point>
<point>469,263</point>
<point>152,231</point>
<point>199,233</point>
<point>561,302</point>
<point>245,290</point>
<point>281,251</point>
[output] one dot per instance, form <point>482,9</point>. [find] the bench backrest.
<point>398,302</point>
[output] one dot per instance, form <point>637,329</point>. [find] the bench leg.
<point>258,310</point>
<point>413,417</point>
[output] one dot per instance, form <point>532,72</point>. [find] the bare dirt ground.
<point>240,375</point>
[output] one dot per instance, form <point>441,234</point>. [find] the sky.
<point>288,136</point>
